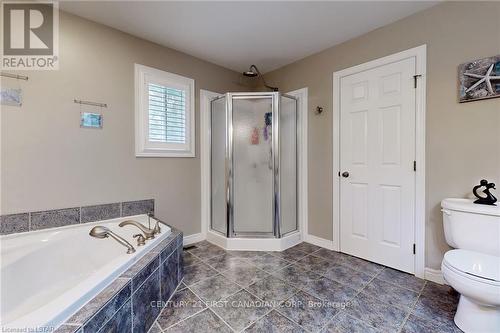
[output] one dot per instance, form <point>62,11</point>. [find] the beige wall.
<point>463,140</point>
<point>49,162</point>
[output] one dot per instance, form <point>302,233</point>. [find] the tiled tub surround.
<point>14,223</point>
<point>229,291</point>
<point>49,274</point>
<point>134,300</point>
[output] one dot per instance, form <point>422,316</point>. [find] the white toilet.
<point>473,268</point>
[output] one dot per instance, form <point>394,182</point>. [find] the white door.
<point>377,153</point>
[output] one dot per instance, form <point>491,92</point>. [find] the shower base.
<point>255,244</point>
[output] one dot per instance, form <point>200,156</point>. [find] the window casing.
<point>164,114</point>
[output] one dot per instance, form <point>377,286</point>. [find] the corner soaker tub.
<point>49,274</point>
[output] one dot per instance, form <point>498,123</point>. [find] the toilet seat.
<point>474,265</point>
<point>472,274</point>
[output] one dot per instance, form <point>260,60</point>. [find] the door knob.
<point>345,174</point>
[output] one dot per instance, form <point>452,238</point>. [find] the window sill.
<point>189,154</point>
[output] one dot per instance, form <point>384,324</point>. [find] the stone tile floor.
<point>303,289</point>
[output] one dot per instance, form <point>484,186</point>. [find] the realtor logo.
<point>30,35</point>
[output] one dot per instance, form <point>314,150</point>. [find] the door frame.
<point>420,54</point>
<point>302,112</point>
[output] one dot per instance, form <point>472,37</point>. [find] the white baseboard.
<point>194,238</point>
<point>327,244</point>
<point>434,275</point>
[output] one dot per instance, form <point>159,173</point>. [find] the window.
<point>164,114</point>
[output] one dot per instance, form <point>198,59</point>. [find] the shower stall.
<point>254,166</point>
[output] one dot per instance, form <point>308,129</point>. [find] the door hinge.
<point>415,80</point>
<point>414,248</point>
<point>414,165</point>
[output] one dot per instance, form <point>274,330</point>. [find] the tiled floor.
<point>303,289</point>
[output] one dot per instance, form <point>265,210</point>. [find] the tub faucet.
<point>156,229</point>
<point>148,233</point>
<point>103,232</point>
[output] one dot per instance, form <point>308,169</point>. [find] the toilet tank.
<point>471,226</point>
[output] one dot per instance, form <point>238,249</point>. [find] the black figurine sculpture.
<point>488,199</point>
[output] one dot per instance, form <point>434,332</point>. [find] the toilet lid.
<point>478,264</point>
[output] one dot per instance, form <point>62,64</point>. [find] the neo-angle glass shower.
<point>254,165</point>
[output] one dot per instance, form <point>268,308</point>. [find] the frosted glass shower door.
<point>252,199</point>
<point>288,164</point>
<point>218,137</point>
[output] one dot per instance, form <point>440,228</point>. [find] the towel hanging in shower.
<point>255,136</point>
<point>268,120</point>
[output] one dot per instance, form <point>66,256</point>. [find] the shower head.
<point>103,232</point>
<point>99,232</point>
<point>253,71</point>
<point>250,74</point>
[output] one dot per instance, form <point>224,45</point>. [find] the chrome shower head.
<point>253,71</point>
<point>99,232</point>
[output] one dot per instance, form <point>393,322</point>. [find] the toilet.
<point>472,268</point>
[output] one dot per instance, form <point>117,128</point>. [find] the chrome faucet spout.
<point>103,232</point>
<point>148,233</point>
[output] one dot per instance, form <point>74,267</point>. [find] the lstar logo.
<point>30,35</point>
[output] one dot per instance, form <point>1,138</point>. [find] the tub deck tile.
<point>104,304</point>
<point>168,246</point>
<point>169,281</point>
<point>108,310</point>
<point>138,207</point>
<point>146,303</point>
<point>142,269</point>
<point>100,212</point>
<point>121,322</point>
<point>133,301</point>
<point>54,218</point>
<point>14,223</point>
<point>69,329</point>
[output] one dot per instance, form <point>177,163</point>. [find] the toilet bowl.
<point>473,267</point>
<point>476,277</point>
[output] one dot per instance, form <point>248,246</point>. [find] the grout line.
<point>114,313</point>
<point>412,308</point>
<point>253,322</point>
<point>222,319</point>
<point>184,319</point>
<point>331,320</point>
<point>155,323</point>
<point>102,306</point>
<point>163,309</point>
<point>207,307</point>
<point>292,320</point>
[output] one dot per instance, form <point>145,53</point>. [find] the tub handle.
<point>446,212</point>
<point>140,239</point>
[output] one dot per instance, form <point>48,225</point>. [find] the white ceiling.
<point>238,34</point>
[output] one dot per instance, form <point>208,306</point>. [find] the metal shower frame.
<point>229,165</point>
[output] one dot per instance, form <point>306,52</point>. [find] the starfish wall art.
<point>479,79</point>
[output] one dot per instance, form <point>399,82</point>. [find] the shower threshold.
<point>255,244</point>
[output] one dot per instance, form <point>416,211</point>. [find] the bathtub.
<point>48,275</point>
